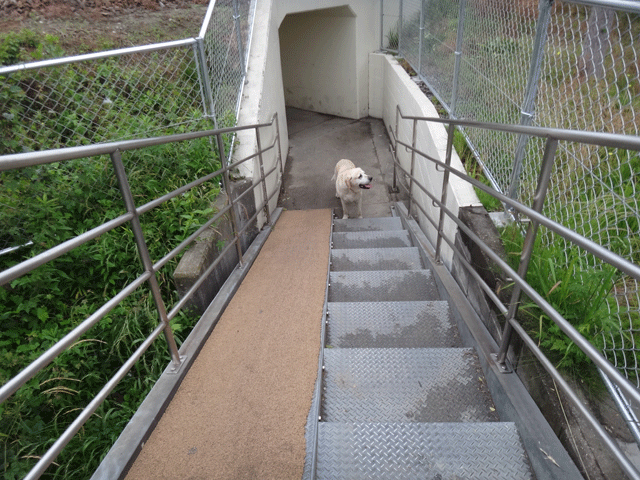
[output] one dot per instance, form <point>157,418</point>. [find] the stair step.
<point>403,258</point>
<point>381,286</point>
<point>421,450</point>
<point>364,224</point>
<point>371,239</point>
<point>391,325</point>
<point>405,385</point>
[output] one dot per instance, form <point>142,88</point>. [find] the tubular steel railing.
<point>132,217</point>
<point>536,219</point>
<point>569,64</point>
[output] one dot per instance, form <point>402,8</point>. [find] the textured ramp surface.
<point>476,451</point>
<point>241,410</point>
<point>405,385</point>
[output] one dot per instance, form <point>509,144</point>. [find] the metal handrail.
<point>115,149</point>
<point>553,136</point>
<point>87,57</point>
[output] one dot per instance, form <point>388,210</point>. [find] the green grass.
<point>49,204</point>
<point>474,170</point>
<point>581,293</point>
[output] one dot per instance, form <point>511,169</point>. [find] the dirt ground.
<point>91,25</point>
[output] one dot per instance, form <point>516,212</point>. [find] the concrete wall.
<point>389,86</point>
<point>318,55</point>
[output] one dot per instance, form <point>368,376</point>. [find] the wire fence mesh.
<point>100,99</point>
<point>137,92</point>
<point>564,64</point>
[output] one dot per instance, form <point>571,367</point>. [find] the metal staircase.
<point>401,397</point>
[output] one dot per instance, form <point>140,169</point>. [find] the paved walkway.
<point>317,142</point>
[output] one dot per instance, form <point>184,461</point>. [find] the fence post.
<point>236,17</point>
<point>399,25</point>
<point>381,25</point>
<point>528,105</point>
<point>420,40</point>
<point>145,258</point>
<point>207,92</point>
<point>527,249</point>
<point>462,9</point>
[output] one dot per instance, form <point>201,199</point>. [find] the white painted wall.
<point>330,73</point>
<point>389,86</point>
<point>319,55</point>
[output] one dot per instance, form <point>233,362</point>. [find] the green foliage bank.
<point>44,206</point>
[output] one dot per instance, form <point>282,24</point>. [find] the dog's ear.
<point>349,181</point>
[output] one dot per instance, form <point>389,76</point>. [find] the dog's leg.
<point>345,214</point>
<point>359,206</point>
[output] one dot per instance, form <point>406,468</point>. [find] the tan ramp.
<point>241,411</point>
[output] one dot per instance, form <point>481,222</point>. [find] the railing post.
<point>527,249</point>
<point>227,186</point>
<point>275,116</point>
<point>413,161</point>
<point>143,251</point>
<point>445,189</point>
<point>395,152</point>
<point>263,179</point>
<point>528,105</point>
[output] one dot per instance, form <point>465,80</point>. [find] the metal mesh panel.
<point>225,40</point>
<point>555,64</point>
<point>589,81</point>
<point>101,99</point>
<point>390,23</point>
<point>131,93</point>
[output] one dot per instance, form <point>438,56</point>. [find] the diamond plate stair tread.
<point>350,259</point>
<point>372,239</point>
<point>382,285</point>
<point>470,451</point>
<point>391,325</point>
<point>364,224</point>
<point>405,385</point>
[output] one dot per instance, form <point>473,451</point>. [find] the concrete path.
<point>317,142</point>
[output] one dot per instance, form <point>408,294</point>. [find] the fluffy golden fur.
<point>350,181</point>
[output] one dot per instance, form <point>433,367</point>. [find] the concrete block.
<point>210,244</point>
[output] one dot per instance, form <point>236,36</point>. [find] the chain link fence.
<point>129,93</point>
<point>153,90</point>
<point>567,64</point>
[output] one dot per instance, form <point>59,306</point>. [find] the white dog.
<point>349,180</point>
